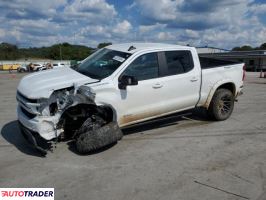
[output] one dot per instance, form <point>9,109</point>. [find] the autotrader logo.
<point>27,193</point>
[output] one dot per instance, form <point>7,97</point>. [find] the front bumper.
<point>45,126</point>
<point>35,140</point>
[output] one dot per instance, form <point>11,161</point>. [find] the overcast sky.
<point>217,23</point>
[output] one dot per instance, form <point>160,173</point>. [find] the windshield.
<point>102,63</point>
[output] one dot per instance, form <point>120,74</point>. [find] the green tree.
<point>263,46</point>
<point>8,51</point>
<point>246,48</point>
<point>68,51</point>
<point>243,48</point>
<point>236,49</point>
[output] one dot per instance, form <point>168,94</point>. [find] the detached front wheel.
<point>222,105</point>
<point>95,134</point>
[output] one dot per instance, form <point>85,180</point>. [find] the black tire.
<point>22,70</point>
<point>96,139</point>
<point>222,105</point>
<point>73,128</point>
<point>92,123</point>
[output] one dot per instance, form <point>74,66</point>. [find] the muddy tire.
<point>92,123</point>
<point>72,128</point>
<point>222,105</point>
<point>96,139</point>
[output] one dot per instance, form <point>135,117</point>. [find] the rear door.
<point>180,80</point>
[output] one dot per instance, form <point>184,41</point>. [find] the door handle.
<point>227,67</point>
<point>193,79</point>
<point>157,85</point>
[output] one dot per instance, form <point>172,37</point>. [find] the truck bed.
<point>215,71</point>
<point>207,63</point>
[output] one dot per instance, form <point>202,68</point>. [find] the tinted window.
<point>178,62</point>
<point>206,62</point>
<point>144,67</point>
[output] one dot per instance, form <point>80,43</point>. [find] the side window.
<point>178,62</point>
<point>144,67</point>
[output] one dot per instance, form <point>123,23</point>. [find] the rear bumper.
<point>240,91</point>
<point>35,140</point>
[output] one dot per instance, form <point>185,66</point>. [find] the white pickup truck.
<point>121,85</point>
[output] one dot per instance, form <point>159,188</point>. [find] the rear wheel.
<point>222,105</point>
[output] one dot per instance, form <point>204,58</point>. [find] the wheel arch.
<point>221,84</point>
<point>75,116</point>
<point>105,111</point>
<point>108,112</point>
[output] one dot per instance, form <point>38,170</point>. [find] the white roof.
<point>142,46</point>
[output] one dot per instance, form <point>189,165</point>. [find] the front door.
<point>144,100</point>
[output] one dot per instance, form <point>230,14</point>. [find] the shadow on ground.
<point>170,120</point>
<point>174,119</point>
<point>11,133</point>
<point>72,148</point>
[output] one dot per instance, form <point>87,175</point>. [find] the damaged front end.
<point>44,122</point>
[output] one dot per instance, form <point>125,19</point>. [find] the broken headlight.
<point>42,105</point>
<point>59,100</point>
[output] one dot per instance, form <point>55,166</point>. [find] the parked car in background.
<point>22,68</point>
<point>37,67</point>
<point>34,67</point>
<point>31,67</point>
<point>58,65</point>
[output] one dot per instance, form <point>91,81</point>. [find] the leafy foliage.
<point>263,46</point>
<point>8,51</point>
<point>65,51</point>
<point>249,48</point>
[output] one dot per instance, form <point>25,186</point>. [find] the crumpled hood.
<point>42,84</point>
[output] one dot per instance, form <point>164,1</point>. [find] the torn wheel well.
<point>74,117</point>
<point>106,112</point>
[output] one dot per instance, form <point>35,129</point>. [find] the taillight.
<point>244,73</point>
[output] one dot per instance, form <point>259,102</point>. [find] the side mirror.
<point>125,80</point>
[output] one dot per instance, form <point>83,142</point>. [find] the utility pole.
<point>60,51</point>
